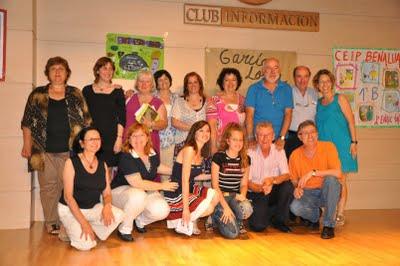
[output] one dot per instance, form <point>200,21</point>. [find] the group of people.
<point>277,154</point>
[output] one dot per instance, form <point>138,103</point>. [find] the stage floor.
<point>370,237</point>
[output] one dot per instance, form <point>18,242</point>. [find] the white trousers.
<point>93,216</point>
<point>143,207</point>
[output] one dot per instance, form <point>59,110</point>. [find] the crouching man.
<point>315,172</point>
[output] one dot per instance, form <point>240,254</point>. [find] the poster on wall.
<point>3,27</point>
<point>370,79</point>
<point>130,53</point>
<point>248,62</point>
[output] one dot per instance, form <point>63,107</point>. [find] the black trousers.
<point>273,207</point>
<point>292,143</point>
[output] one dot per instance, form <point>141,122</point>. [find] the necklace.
<point>90,163</point>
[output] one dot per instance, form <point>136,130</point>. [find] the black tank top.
<point>87,187</point>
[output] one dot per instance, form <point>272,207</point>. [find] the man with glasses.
<point>270,189</point>
<point>269,99</point>
<point>305,105</point>
<point>315,173</point>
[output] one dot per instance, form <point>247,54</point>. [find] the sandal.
<point>208,225</point>
<point>196,230</point>
<point>63,234</point>
<point>53,229</point>
<point>340,219</point>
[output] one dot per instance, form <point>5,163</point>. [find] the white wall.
<point>15,182</point>
<point>76,30</point>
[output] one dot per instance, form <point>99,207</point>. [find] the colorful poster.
<point>248,62</point>
<point>131,53</point>
<point>370,78</point>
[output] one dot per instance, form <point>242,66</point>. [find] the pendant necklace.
<point>90,163</point>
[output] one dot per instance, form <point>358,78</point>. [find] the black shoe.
<point>125,237</point>
<point>313,226</point>
<point>328,232</point>
<point>139,229</point>
<point>282,227</point>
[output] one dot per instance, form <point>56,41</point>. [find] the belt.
<point>226,194</point>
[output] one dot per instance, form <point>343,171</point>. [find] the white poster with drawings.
<point>370,79</point>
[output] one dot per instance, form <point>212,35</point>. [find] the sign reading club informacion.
<point>255,18</point>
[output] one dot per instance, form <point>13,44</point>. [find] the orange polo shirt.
<point>326,157</point>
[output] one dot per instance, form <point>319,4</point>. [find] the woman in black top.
<point>85,178</point>
<point>53,116</point>
<point>106,104</point>
<point>134,188</point>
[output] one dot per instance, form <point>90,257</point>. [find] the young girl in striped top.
<point>230,175</point>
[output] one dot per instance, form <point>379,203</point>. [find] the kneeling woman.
<point>190,202</point>
<point>230,175</point>
<point>85,178</point>
<point>134,189</point>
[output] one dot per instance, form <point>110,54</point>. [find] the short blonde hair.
<point>145,72</point>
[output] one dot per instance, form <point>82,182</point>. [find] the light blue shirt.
<point>305,107</point>
<point>269,107</point>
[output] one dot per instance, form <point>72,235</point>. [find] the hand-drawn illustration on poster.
<point>374,94</point>
<point>131,53</point>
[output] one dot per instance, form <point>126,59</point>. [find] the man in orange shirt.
<point>315,172</point>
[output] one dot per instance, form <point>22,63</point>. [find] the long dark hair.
<point>76,145</point>
<point>191,139</point>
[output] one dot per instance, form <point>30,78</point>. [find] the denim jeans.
<point>241,209</point>
<point>308,205</point>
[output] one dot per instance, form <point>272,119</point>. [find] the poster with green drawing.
<point>130,53</point>
<point>370,79</point>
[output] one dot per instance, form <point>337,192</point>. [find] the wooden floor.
<point>370,237</point>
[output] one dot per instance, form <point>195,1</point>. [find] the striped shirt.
<point>230,172</point>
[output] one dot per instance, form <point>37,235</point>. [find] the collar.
<point>258,150</point>
<point>136,156</point>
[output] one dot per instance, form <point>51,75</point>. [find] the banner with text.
<point>369,78</point>
<point>131,53</point>
<point>248,62</point>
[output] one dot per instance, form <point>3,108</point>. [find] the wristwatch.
<point>314,172</point>
<point>282,137</point>
<point>354,142</point>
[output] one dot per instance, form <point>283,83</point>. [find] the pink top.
<point>225,113</point>
<point>131,107</point>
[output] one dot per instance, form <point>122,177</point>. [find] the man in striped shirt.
<point>269,182</point>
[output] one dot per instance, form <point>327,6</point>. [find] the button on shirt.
<point>304,106</point>
<point>269,106</point>
<point>273,165</point>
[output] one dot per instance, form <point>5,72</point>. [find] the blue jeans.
<point>308,205</point>
<point>241,209</point>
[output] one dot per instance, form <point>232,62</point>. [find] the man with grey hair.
<point>305,106</point>
<point>315,173</point>
<point>270,189</point>
<point>269,99</point>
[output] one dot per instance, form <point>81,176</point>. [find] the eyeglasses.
<point>270,135</point>
<point>138,135</point>
<point>308,133</point>
<point>93,139</point>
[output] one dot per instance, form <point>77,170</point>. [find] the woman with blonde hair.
<point>134,188</point>
<point>145,86</point>
<point>230,175</point>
